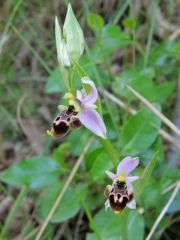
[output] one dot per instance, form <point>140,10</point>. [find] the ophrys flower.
<point>121,193</point>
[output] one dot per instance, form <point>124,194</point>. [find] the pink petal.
<point>132,204</point>
<point>110,175</point>
<point>132,178</point>
<point>93,95</point>
<point>92,120</point>
<point>127,165</point>
<point>129,187</point>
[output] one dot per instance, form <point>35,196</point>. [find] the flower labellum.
<point>64,121</point>
<point>121,194</point>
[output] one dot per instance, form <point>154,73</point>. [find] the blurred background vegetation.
<point>131,42</point>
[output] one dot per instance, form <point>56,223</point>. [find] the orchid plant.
<point>82,110</point>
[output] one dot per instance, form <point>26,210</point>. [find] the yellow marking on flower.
<point>50,133</point>
<point>121,177</point>
<point>116,212</point>
<point>72,101</point>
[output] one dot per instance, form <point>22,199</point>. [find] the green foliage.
<point>100,164</point>
<point>55,82</point>
<point>68,207</point>
<point>37,172</point>
<point>136,226</point>
<point>146,174</point>
<point>108,225</point>
<point>95,22</point>
<point>142,81</point>
<point>139,132</point>
<point>130,23</point>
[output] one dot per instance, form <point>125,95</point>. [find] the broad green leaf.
<point>95,22</point>
<point>160,54</point>
<point>111,38</point>
<point>139,133</point>
<point>136,226</point>
<point>101,163</point>
<point>77,140</point>
<point>108,225</point>
<point>146,175</point>
<point>37,172</point>
<point>60,152</point>
<point>91,156</point>
<point>73,35</point>
<point>152,194</point>
<point>130,23</point>
<point>68,207</point>
<point>142,81</point>
<point>55,82</point>
<point>163,91</point>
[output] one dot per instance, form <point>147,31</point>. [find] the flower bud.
<point>62,53</point>
<point>73,35</point>
<point>70,43</point>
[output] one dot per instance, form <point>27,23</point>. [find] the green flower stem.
<point>13,210</point>
<point>89,216</point>
<point>124,228</point>
<point>105,142</point>
<point>71,82</point>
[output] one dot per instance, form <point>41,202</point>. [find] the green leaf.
<point>142,81</point>
<point>91,156</point>
<point>76,147</point>
<point>68,207</point>
<point>108,225</point>
<point>100,165</point>
<point>136,226</point>
<point>139,133</point>
<point>130,23</point>
<point>111,39</point>
<point>37,172</point>
<point>163,91</point>
<point>95,22</point>
<point>55,82</point>
<point>146,175</point>
<point>60,152</point>
<point>152,194</point>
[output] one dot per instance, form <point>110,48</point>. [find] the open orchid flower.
<point>81,110</point>
<point>120,194</point>
<point>88,116</point>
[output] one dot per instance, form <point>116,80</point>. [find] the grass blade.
<point>146,175</point>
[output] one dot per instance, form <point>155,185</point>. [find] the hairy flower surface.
<point>120,194</point>
<point>81,110</point>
